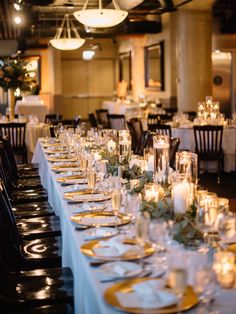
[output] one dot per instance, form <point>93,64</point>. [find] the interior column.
<point>194,65</point>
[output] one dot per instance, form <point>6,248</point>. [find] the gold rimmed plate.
<point>104,219</point>
<point>61,158</point>
<point>49,140</point>
<point>64,168</point>
<point>85,195</point>
<point>57,150</point>
<point>188,301</point>
<point>72,179</point>
<point>91,247</point>
<point>232,248</point>
<point>52,145</point>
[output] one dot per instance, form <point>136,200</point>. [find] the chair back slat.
<point>16,133</point>
<point>102,117</point>
<point>163,129</point>
<point>208,139</point>
<point>116,121</point>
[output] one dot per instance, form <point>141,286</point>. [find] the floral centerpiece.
<point>13,75</point>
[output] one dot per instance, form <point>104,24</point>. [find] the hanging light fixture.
<point>63,39</point>
<point>100,18</point>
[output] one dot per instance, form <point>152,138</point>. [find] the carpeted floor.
<point>226,188</point>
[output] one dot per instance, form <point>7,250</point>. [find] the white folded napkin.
<point>97,220</point>
<point>147,295</point>
<point>114,247</point>
<point>86,197</point>
<point>74,181</point>
<point>121,269</point>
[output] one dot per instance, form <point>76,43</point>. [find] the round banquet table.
<point>33,132</point>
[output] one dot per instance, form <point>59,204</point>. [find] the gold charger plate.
<point>63,168</point>
<point>52,145</point>
<point>188,301</point>
<point>61,158</point>
<point>232,248</point>
<point>71,196</point>
<point>88,249</point>
<point>68,179</point>
<point>55,151</point>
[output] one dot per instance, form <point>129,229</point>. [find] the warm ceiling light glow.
<point>67,43</point>
<point>88,54</point>
<point>100,18</point>
<point>18,20</point>
<point>63,39</point>
<point>17,5</point>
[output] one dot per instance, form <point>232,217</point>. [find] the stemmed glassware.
<point>116,200</point>
<point>84,166</point>
<point>141,228</point>
<point>207,288</point>
<point>56,131</point>
<point>92,180</point>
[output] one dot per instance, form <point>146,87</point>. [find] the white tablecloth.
<point>33,132</point>
<point>88,291</point>
<point>187,141</point>
<point>27,108</point>
<point>115,107</point>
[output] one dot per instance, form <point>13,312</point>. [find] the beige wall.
<point>83,85</point>
<point>136,45</point>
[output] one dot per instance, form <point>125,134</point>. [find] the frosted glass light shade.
<point>67,43</point>
<point>100,18</point>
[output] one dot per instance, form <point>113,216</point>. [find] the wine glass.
<point>226,228</point>
<point>56,131</point>
<point>178,275</point>
<point>141,228</point>
<point>206,287</point>
<point>92,180</point>
<point>83,166</point>
<point>116,200</point>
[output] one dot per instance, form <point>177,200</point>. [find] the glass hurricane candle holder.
<point>148,155</point>
<point>151,192</point>
<point>181,194</point>
<point>186,163</point>
<point>161,148</point>
<point>223,204</point>
<point>211,210</point>
<point>224,268</point>
<point>125,148</point>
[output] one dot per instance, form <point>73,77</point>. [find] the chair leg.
<point>219,170</point>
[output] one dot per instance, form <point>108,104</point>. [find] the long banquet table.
<point>88,291</point>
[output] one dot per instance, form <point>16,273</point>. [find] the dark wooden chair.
<point>45,309</point>
<point>16,135</point>
<point>135,127</point>
<point>208,145</point>
<point>145,141</point>
<point>92,120</point>
<point>102,117</point>
<point>152,119</point>
<point>52,118</point>
<point>191,115</point>
<point>163,118</point>
<point>174,146</point>
<point>164,129</point>
<point>25,254</point>
<point>116,121</point>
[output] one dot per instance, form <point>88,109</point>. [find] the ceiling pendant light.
<point>63,39</point>
<point>100,18</point>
